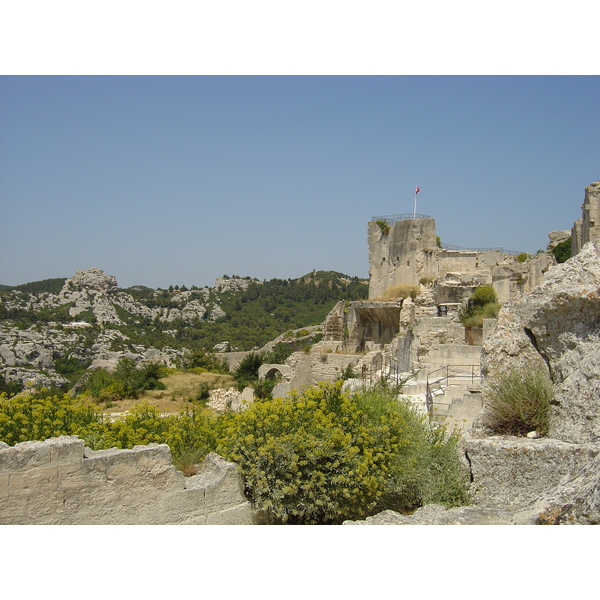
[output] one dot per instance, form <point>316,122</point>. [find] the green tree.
<point>562,251</point>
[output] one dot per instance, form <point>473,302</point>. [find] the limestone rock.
<point>227,284</point>
<point>436,514</point>
<point>576,501</point>
<point>557,237</point>
<point>515,471</point>
<point>557,327</point>
<point>91,279</point>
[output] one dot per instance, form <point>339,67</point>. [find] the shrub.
<point>27,417</point>
<point>400,291</point>
<point>383,226</point>
<point>205,359</point>
<point>562,251</point>
<point>325,456</point>
<point>484,294</point>
<point>484,306</point>
<point>246,373</point>
<point>522,257</point>
<point>517,402</point>
<point>127,381</point>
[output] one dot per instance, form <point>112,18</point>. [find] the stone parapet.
<point>60,482</point>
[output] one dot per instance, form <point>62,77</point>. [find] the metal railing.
<point>391,219</point>
<point>502,250</point>
<point>451,374</point>
<point>387,367</point>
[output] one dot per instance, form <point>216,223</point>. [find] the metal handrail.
<point>502,250</point>
<point>391,219</point>
<point>447,377</point>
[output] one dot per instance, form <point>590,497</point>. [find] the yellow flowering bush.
<point>24,417</point>
<point>312,458</point>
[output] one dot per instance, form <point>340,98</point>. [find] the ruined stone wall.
<point>404,255</point>
<point>60,482</point>
<point>408,255</point>
<point>587,229</point>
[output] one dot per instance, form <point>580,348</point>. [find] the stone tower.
<point>587,229</point>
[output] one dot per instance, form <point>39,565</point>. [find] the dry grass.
<point>400,291</point>
<point>180,388</point>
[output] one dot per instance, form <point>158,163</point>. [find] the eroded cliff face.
<point>557,327</point>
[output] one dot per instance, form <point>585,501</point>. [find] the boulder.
<point>576,501</point>
<point>436,514</point>
<point>557,327</point>
<point>514,471</point>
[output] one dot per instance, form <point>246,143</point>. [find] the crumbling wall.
<point>61,482</point>
<point>403,255</point>
<point>587,229</point>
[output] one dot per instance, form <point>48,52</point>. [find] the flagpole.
<point>417,190</point>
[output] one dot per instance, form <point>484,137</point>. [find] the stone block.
<point>66,449</point>
<point>221,481</point>
<point>4,479</point>
<point>515,471</point>
<point>242,514</point>
<point>23,456</point>
<point>42,505</point>
<point>13,510</point>
<point>40,480</point>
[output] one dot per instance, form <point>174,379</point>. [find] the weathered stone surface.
<point>435,514</point>
<point>557,237</point>
<point>515,471</point>
<point>91,279</point>
<point>59,481</point>
<point>576,501</point>
<point>557,327</point>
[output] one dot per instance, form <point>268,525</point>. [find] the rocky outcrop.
<point>557,327</point>
<point>229,284</point>
<point>576,501</point>
<point>93,279</point>
<point>513,471</point>
<point>436,514</point>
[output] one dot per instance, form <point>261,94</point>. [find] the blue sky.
<point>176,180</point>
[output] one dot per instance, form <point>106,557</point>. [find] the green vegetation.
<point>206,360</point>
<point>254,316</point>
<point>319,457</point>
<point>399,292</point>
<point>383,226</point>
<point>127,381</point>
<point>484,305</point>
<point>518,401</point>
<point>246,373</point>
<point>325,456</point>
<point>562,251</point>
<point>10,388</point>
<point>522,257</point>
<point>52,286</point>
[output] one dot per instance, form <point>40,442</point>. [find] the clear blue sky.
<point>171,180</point>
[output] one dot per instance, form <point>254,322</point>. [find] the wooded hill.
<point>253,316</point>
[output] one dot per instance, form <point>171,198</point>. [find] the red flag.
<point>417,190</point>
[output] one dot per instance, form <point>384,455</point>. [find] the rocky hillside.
<point>48,337</point>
